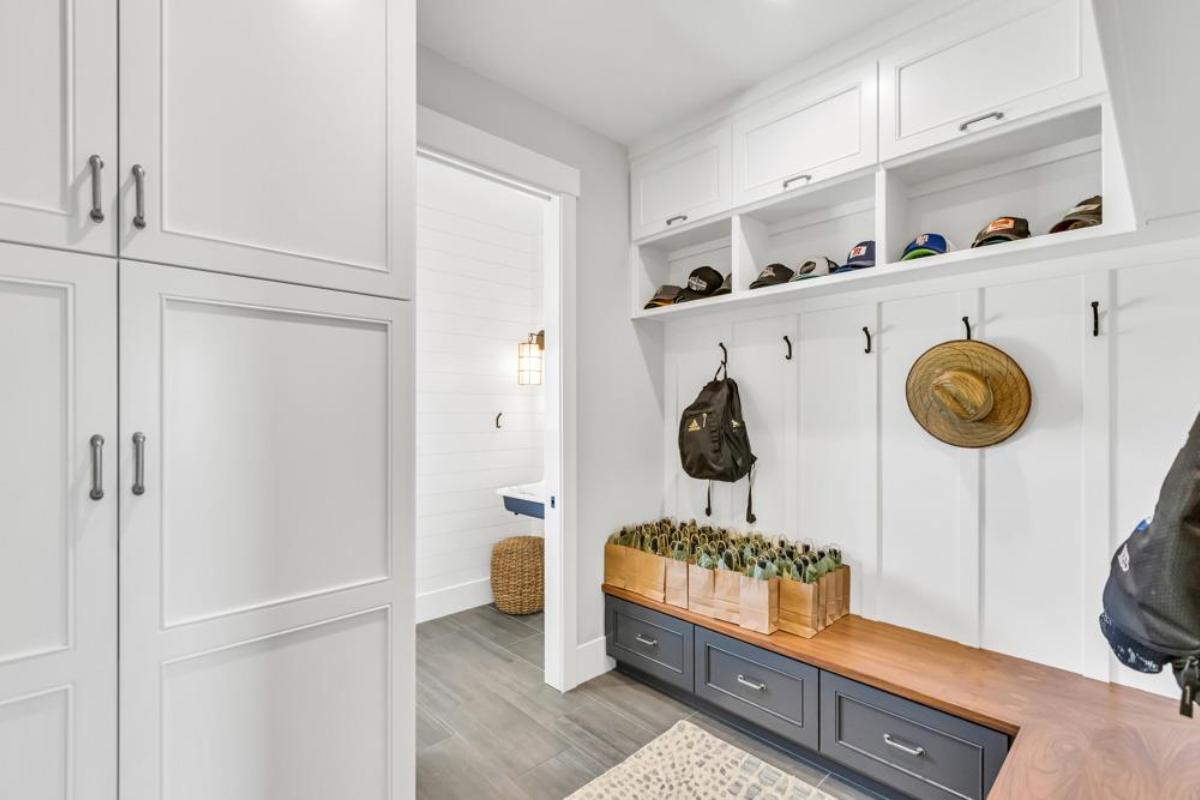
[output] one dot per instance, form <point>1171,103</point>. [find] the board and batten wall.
<point>1007,547</point>
<point>479,280</point>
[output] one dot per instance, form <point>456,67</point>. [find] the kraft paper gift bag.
<point>828,587</point>
<point>677,583</point>
<point>646,574</point>
<point>701,590</point>
<point>798,608</point>
<point>727,595</point>
<point>614,565</point>
<point>843,574</point>
<point>759,606</point>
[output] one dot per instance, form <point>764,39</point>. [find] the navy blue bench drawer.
<point>774,692</point>
<point>654,643</point>
<point>920,751</point>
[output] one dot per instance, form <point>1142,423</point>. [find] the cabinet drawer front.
<point>683,182</point>
<point>654,643</point>
<point>916,749</point>
<point>1033,61</point>
<point>774,692</point>
<point>808,134</point>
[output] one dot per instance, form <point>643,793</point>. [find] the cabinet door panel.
<point>277,140</point>
<point>58,89</point>
<point>272,540</point>
<point>685,181</point>
<point>58,545</point>
<point>816,130</point>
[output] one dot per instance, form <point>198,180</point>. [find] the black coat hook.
<point>498,416</point>
<point>724,365</point>
<point>967,325</point>
<point>1095,318</point>
<point>788,357</point>
<point>867,333</point>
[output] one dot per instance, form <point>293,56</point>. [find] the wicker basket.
<point>518,584</point>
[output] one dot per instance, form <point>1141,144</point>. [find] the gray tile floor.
<point>487,726</point>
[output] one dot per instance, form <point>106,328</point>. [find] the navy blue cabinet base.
<point>887,744</point>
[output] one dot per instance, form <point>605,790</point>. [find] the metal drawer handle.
<point>996,115</point>
<point>139,463</point>
<point>97,164</point>
<point>755,685</point>
<point>645,641</point>
<point>97,492</point>
<point>790,181</point>
<point>903,748</point>
<point>139,195</point>
<point>677,218</point>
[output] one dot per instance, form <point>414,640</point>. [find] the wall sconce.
<point>529,359</point>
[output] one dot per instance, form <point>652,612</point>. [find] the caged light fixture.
<point>529,359</point>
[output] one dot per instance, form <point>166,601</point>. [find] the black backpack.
<point>1152,598</point>
<point>713,443</point>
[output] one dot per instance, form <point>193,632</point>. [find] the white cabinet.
<point>682,182</point>
<point>58,525</point>
<point>58,89</point>
<point>267,553</point>
<point>275,140</point>
<point>982,67</point>
<point>811,132</point>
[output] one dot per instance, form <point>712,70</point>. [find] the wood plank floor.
<point>488,727</point>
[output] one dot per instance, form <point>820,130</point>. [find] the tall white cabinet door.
<point>58,543</point>
<point>58,140</point>
<point>274,139</point>
<point>266,558</point>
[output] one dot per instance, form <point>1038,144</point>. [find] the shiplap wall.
<point>1007,547</point>
<point>479,292</point>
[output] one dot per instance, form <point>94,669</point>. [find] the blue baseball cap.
<point>862,255</point>
<point>927,244</point>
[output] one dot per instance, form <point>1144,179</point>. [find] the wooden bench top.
<point>1074,736</point>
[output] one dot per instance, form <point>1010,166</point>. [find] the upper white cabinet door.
<point>809,133</point>
<point>981,67</point>
<point>274,139</point>
<point>58,525</point>
<point>266,590</point>
<point>682,182</point>
<point>58,89</point>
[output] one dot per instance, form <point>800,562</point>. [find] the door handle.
<point>790,181</point>
<point>139,196</point>
<point>677,218</point>
<point>97,213</point>
<point>903,748</point>
<point>645,641</point>
<point>749,684</point>
<point>996,115</point>
<point>97,492</point>
<point>139,463</point>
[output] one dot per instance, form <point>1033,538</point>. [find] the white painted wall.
<point>479,277</point>
<point>619,393</point>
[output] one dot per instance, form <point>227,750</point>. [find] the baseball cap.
<point>814,267</point>
<point>1002,229</point>
<point>665,295</point>
<point>703,282</point>
<point>726,286</point>
<point>927,244</point>
<point>771,275</point>
<point>862,255</point>
<point>1085,214</point>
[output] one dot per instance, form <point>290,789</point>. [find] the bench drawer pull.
<point>903,748</point>
<point>645,641</point>
<point>755,685</point>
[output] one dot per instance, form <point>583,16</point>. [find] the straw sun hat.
<point>968,393</point>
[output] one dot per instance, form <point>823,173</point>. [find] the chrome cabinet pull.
<point>749,684</point>
<point>903,748</point>
<point>645,641</point>
<point>97,492</point>
<point>677,218</point>
<point>139,463</point>
<point>139,194</point>
<point>97,213</point>
<point>790,181</point>
<point>996,115</point>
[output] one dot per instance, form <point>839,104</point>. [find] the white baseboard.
<point>452,599</point>
<point>591,660</point>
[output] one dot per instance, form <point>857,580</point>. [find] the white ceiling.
<point>626,67</point>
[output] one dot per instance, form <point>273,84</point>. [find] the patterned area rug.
<point>688,762</point>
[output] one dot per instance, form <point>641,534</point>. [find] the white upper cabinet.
<point>274,139</point>
<point>681,182</point>
<point>808,133</point>
<point>58,141</point>
<point>977,70</point>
